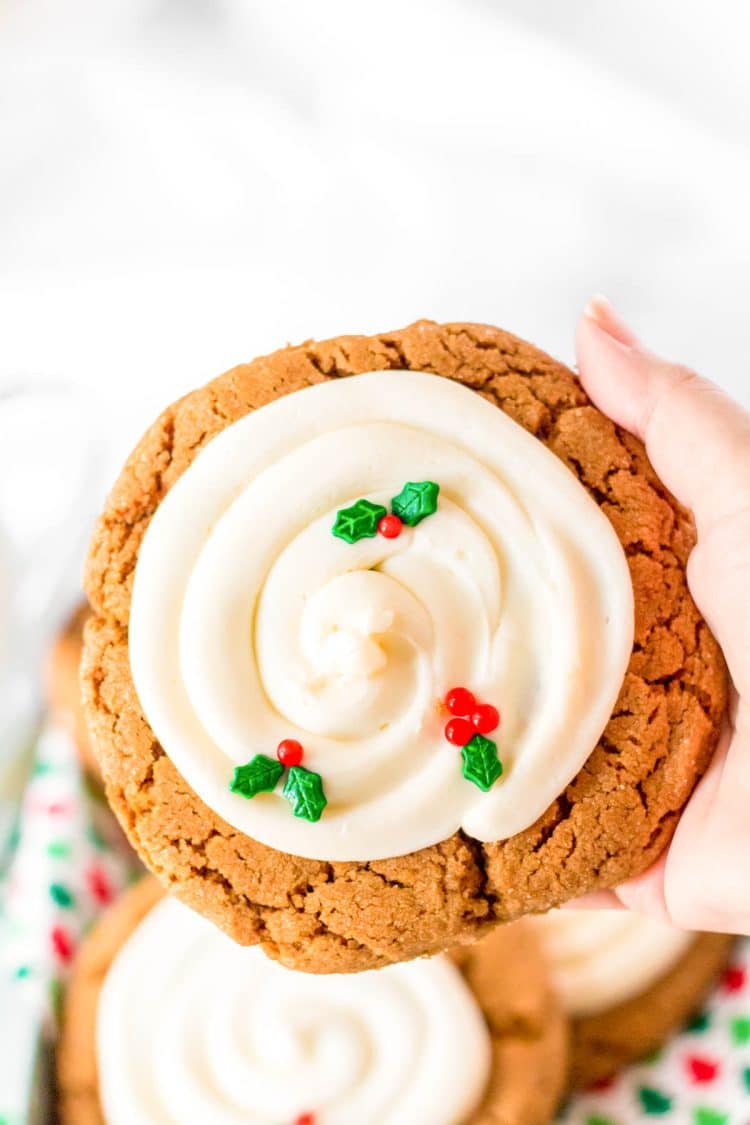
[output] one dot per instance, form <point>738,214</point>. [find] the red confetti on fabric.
<point>99,886</point>
<point>733,979</point>
<point>701,1070</point>
<point>62,943</point>
<point>50,808</point>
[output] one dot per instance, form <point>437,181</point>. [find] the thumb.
<point>698,441</point>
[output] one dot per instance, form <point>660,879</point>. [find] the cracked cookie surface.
<point>506,974</point>
<point>611,822</point>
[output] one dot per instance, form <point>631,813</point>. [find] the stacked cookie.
<point>391,643</point>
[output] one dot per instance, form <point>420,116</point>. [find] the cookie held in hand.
<point>498,535</point>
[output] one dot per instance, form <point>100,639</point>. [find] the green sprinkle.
<point>746,1078</point>
<point>416,501</point>
<point>259,775</point>
<point>60,895</point>
<point>96,839</point>
<point>702,1115</point>
<point>22,972</point>
<point>58,849</point>
<point>699,1023</point>
<point>303,790</point>
<point>358,522</point>
<point>740,1030</point>
<point>654,1102</point>
<point>481,763</point>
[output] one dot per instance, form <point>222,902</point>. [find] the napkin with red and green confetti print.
<point>70,861</point>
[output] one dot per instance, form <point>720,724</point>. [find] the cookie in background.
<point>62,681</point>
<point>167,1019</point>
<point>626,982</point>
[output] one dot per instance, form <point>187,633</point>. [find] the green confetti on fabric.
<point>699,1023</point>
<point>739,1029</point>
<point>61,896</point>
<point>303,790</point>
<point>58,849</point>
<point>96,839</point>
<point>654,1102</point>
<point>481,763</point>
<point>416,501</point>
<point>702,1115</point>
<point>259,775</point>
<point>358,522</point>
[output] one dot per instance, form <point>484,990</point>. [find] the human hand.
<point>698,441</point>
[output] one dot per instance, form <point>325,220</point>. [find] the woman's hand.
<point>698,441</point>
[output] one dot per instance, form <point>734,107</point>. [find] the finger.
<point>698,440</point>
<point>645,893</point>
<point>594,900</point>
<point>707,872</point>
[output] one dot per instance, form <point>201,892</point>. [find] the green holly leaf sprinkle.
<point>303,790</point>
<point>259,775</point>
<point>415,501</point>
<point>481,763</point>
<point>358,522</point>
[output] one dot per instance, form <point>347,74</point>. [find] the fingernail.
<point>601,310</point>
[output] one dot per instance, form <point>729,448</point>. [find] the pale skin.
<point>698,441</point>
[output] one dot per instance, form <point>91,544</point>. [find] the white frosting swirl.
<point>252,623</point>
<point>192,1027</point>
<point>600,958</point>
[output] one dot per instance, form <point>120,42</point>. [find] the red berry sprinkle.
<point>459,701</point>
<point>459,731</point>
<point>486,718</point>
<point>289,752</point>
<point>390,527</point>
<point>305,1119</point>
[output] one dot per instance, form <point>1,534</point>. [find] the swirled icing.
<point>251,622</point>
<point>192,1027</point>
<point>599,958</point>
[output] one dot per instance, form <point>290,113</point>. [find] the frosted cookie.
<point>625,981</point>
<point>63,686</point>
<point>379,661</point>
<point>168,1020</point>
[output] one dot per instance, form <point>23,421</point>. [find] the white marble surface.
<point>183,184</point>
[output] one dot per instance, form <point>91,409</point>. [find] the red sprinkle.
<point>62,943</point>
<point>486,718</point>
<point>459,701</point>
<point>733,979</point>
<point>459,731</point>
<point>99,885</point>
<point>305,1119</point>
<point>390,527</point>
<point>701,1069</point>
<point>289,752</point>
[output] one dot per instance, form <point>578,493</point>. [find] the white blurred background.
<point>186,183</point>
